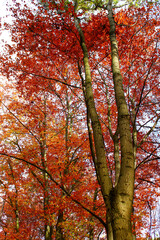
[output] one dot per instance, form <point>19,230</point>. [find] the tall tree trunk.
<point>15,205</point>
<point>68,129</point>
<point>100,154</point>
<point>122,195</point>
<point>99,157</point>
<point>118,200</point>
<point>48,228</point>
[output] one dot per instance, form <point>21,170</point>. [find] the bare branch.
<point>20,122</point>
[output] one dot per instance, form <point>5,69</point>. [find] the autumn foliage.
<point>49,188</point>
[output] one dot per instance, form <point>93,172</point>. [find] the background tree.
<point>28,137</point>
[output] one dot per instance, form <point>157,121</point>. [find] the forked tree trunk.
<point>118,200</point>
<point>122,195</point>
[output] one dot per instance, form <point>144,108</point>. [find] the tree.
<point>27,125</point>
<point>119,81</point>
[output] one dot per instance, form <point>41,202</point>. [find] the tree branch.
<point>57,184</point>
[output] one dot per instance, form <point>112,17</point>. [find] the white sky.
<point>4,35</point>
<point>3,4</point>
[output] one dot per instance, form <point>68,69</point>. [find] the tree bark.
<point>100,158</point>
<point>118,200</point>
<point>48,228</point>
<point>59,229</point>
<point>122,195</point>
